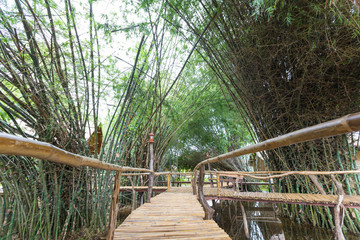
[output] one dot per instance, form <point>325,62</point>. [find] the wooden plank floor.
<point>289,198</point>
<point>170,215</point>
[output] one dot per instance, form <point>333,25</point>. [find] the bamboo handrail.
<point>19,146</point>
<point>289,173</point>
<point>345,124</point>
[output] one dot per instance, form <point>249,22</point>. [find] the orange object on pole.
<point>151,140</point>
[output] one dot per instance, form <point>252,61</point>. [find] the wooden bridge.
<point>177,213</point>
<point>170,215</point>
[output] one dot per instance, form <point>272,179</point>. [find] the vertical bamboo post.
<point>133,198</point>
<point>339,210</point>
<point>237,184</point>
<point>194,182</point>
<point>218,184</point>
<point>211,176</point>
<point>246,229</point>
<point>151,166</point>
<point>114,206</point>
<point>192,179</point>
<point>168,181</point>
<point>207,209</point>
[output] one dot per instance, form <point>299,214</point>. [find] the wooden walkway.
<point>170,215</point>
<point>288,198</point>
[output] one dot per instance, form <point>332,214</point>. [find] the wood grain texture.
<point>170,215</point>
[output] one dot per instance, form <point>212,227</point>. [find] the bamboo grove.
<point>53,80</point>
<point>204,75</point>
<point>288,65</point>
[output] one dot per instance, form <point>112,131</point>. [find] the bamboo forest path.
<point>170,215</point>
<point>177,214</point>
<point>184,213</point>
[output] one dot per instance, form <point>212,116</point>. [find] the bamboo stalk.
<point>114,206</point>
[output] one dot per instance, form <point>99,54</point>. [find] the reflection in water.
<point>263,223</point>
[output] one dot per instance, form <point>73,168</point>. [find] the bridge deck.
<point>170,215</point>
<point>289,198</point>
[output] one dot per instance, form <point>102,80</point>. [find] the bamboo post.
<point>114,206</point>
<point>209,212</point>
<point>133,199</point>
<point>338,211</point>
<point>237,184</point>
<point>151,166</point>
<point>168,182</point>
<point>191,182</point>
<point>194,182</point>
<point>246,229</point>
<point>218,184</point>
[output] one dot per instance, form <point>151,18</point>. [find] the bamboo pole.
<point>19,146</point>
<point>338,210</point>
<point>207,209</point>
<point>168,182</point>
<point>194,182</point>
<point>218,184</point>
<point>289,173</point>
<point>245,223</point>
<point>114,206</point>
<point>133,194</point>
<point>151,168</point>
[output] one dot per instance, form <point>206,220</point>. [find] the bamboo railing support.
<point>168,181</point>
<point>191,182</point>
<point>194,182</point>
<point>245,223</point>
<point>209,212</point>
<point>114,206</point>
<point>133,194</point>
<point>211,176</point>
<point>339,210</point>
<point>218,184</point>
<point>237,184</point>
<point>151,168</point>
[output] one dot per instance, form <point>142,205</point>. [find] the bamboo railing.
<point>14,145</point>
<point>19,146</point>
<point>343,125</point>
